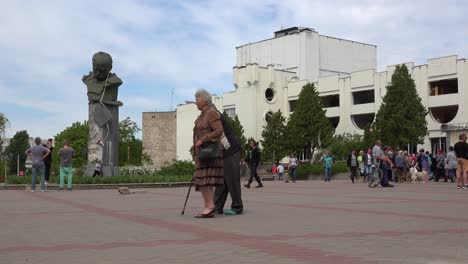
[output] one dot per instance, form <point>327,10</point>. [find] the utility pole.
<point>17,166</point>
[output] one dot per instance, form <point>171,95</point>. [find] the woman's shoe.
<point>210,214</point>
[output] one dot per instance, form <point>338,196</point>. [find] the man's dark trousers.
<point>254,174</point>
<point>231,185</point>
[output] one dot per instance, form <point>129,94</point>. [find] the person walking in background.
<point>292,165</point>
<point>451,164</point>
<point>253,160</point>
<point>48,160</point>
<point>282,176</point>
<point>381,161</point>
<point>327,164</point>
<point>37,153</point>
<point>368,161</point>
<point>360,158</point>
<point>440,166</point>
<point>461,151</point>
<point>97,169</point>
<point>352,164</point>
<point>400,164</point>
<point>66,169</point>
<point>423,163</point>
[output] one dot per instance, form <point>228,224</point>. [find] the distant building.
<point>270,74</point>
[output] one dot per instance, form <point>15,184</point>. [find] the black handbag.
<point>209,151</point>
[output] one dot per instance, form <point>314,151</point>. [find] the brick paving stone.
<point>306,222</point>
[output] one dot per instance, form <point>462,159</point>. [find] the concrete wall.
<point>159,137</point>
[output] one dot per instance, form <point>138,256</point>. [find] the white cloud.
<point>46,46</point>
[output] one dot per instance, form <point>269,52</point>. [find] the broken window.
<point>449,86</point>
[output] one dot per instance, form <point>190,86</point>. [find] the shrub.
<point>304,170</point>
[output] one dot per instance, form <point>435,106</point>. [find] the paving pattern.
<point>306,222</point>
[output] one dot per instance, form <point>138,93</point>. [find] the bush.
<point>178,171</point>
<point>303,171</point>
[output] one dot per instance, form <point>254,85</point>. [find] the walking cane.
<point>186,199</point>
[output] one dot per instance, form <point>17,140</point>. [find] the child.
<point>97,169</point>
<point>281,173</point>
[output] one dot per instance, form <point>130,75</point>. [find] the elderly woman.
<point>208,173</point>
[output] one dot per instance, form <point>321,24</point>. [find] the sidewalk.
<point>306,222</point>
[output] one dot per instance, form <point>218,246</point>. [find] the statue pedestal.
<point>107,153</point>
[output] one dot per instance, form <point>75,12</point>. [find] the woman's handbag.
<point>209,151</point>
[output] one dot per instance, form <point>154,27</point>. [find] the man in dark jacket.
<point>353,164</point>
<point>253,159</point>
<point>231,158</point>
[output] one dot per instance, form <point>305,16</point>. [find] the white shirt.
<point>280,169</point>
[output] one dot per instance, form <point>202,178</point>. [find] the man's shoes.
<point>259,186</point>
<point>286,181</point>
<point>230,212</point>
<point>70,189</point>
<point>60,189</point>
<point>247,186</point>
<point>388,185</point>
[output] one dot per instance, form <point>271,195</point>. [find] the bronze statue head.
<point>102,65</point>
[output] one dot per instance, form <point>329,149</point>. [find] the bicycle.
<point>376,176</point>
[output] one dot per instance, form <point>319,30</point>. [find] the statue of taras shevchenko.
<point>103,122</point>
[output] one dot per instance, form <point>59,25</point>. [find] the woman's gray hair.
<point>204,95</point>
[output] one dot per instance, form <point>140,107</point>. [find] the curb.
<point>101,186</point>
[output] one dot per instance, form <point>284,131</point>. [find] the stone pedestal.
<point>103,144</point>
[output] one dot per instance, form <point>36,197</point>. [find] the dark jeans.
<point>254,174</point>
<point>47,170</point>
<point>327,174</point>
<point>231,185</point>
<point>292,173</point>
<point>353,170</point>
<point>384,169</point>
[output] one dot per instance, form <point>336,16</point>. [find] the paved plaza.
<point>306,222</point>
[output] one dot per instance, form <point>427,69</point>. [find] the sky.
<point>165,50</point>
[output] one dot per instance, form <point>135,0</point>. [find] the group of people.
<point>40,156</point>
<point>396,164</point>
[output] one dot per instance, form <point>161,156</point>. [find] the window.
<point>231,112</point>
<point>442,87</point>
<point>363,97</point>
<point>363,120</point>
<point>330,100</point>
<point>292,105</point>
<point>334,121</point>
<point>444,114</point>
<point>268,116</point>
<point>269,94</point>
<point>438,143</point>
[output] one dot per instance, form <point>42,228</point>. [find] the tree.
<point>18,145</point>
<point>3,126</point>
<point>401,119</point>
<point>130,149</point>
<point>342,145</point>
<point>77,137</point>
<point>272,138</point>
<point>238,131</point>
<point>308,128</point>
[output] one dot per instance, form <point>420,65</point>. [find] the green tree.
<point>130,149</point>
<point>401,119</point>
<point>238,131</point>
<point>272,138</point>
<point>18,145</point>
<point>342,145</point>
<point>308,128</point>
<point>77,136</point>
<point>3,126</point>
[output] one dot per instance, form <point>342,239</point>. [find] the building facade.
<point>270,74</point>
<point>159,141</point>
